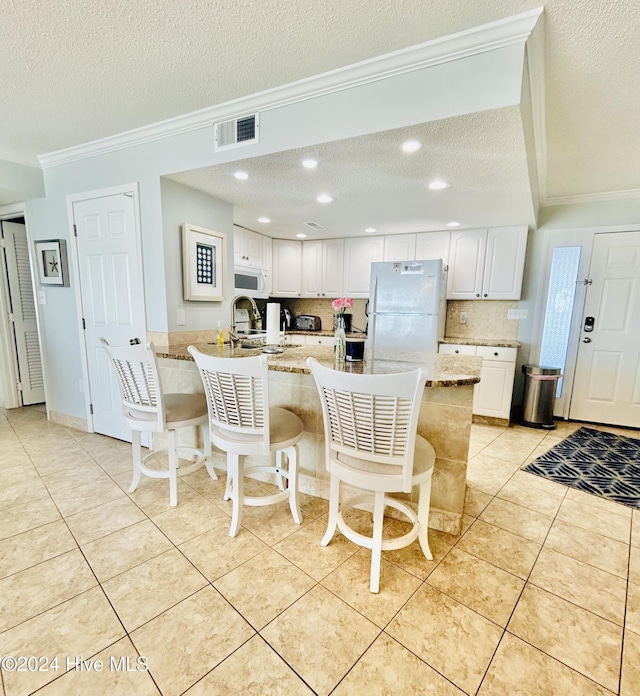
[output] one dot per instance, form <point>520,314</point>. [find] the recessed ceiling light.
<point>369,230</point>
<point>301,235</point>
<point>439,184</point>
<point>309,163</point>
<point>453,223</point>
<point>241,175</point>
<point>264,220</point>
<point>411,145</point>
<point>324,198</point>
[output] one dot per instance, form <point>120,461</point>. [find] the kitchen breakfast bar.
<point>445,413</point>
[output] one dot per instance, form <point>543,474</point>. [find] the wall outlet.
<point>181,317</point>
<point>517,313</point>
<point>463,317</point>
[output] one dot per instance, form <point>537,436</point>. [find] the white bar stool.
<point>242,424</point>
<point>147,409</point>
<point>371,443</point>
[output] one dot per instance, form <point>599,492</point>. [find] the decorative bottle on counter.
<point>340,339</point>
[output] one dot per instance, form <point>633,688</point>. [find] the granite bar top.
<point>491,342</point>
<point>442,370</point>
<point>323,332</point>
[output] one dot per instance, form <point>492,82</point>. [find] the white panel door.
<point>23,313</point>
<point>606,387</point>
<point>112,292</point>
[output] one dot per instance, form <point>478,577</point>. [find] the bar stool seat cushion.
<point>423,460</point>
<point>181,407</point>
<point>283,426</point>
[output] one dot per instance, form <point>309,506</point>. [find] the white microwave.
<point>251,281</point>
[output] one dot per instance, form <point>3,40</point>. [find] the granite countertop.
<point>442,370</point>
<point>323,332</point>
<point>491,342</point>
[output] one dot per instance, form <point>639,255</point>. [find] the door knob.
<point>586,339</point>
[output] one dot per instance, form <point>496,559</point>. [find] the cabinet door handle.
<point>477,294</point>
<point>496,354</point>
<point>456,351</point>
<point>485,295</point>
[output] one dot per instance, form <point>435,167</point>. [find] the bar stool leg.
<point>376,541</point>
<point>236,479</point>
<point>173,468</point>
<point>137,459</point>
<point>294,504</point>
<point>334,504</point>
<point>424,499</point>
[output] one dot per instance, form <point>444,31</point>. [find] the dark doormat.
<point>596,462</point>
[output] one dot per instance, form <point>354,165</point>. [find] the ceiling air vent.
<point>236,132</point>
<point>315,226</point>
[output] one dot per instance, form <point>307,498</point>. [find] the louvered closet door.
<point>23,308</point>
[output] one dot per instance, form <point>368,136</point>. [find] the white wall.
<point>180,205</point>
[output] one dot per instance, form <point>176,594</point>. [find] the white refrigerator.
<point>407,306</point>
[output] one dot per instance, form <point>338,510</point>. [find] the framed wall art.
<point>51,259</point>
<point>203,264</point>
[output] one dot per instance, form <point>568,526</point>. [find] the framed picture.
<point>51,259</point>
<point>203,264</point>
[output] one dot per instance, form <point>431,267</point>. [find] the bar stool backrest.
<point>372,418</point>
<point>136,368</point>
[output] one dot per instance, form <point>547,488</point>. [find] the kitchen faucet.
<point>233,335</point>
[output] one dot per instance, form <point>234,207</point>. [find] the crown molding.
<point>593,197</point>
<point>487,37</point>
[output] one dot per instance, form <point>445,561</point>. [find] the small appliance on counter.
<point>307,322</point>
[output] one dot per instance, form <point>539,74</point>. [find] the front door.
<point>607,380</point>
<point>112,293</point>
<point>23,313</point>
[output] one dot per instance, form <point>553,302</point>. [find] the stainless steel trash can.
<point>539,395</point>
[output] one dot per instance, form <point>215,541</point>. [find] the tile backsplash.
<point>322,308</point>
<point>485,319</point>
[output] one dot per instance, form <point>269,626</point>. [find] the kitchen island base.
<point>445,421</point>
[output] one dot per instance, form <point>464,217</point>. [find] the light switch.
<point>181,317</point>
<point>42,297</point>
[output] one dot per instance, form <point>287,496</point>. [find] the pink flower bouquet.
<point>341,303</point>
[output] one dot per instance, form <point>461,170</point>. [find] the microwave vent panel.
<point>236,132</point>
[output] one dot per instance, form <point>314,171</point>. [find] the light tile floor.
<point>539,595</point>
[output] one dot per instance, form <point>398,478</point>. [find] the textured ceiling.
<point>375,184</point>
<point>73,71</point>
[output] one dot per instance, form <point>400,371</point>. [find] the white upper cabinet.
<point>248,247</point>
<point>359,254</point>
<point>504,263</point>
<point>287,268</point>
<point>322,268</point>
<point>433,245</point>
<point>487,264</point>
<point>400,247</point>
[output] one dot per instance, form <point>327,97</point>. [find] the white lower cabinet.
<point>305,340</point>
<point>492,395</point>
